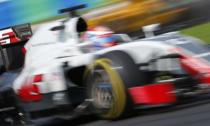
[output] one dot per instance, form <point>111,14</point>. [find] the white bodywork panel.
<point>142,51</point>
<point>46,54</point>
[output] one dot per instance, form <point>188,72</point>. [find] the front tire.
<point>107,90</point>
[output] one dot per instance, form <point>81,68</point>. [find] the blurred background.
<point>123,14</point>
<point>23,11</point>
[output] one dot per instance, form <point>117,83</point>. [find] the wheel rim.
<point>105,78</point>
<point>102,92</point>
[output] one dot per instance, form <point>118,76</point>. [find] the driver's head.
<point>101,36</point>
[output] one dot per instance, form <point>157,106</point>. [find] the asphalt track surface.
<point>196,113</point>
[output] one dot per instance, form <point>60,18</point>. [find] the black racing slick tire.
<point>105,87</point>
<point>115,72</point>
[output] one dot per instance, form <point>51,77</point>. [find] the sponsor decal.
<point>7,36</point>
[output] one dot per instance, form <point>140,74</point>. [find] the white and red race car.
<point>63,73</point>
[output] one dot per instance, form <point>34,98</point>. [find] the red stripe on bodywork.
<point>153,94</point>
<point>196,67</point>
<point>29,91</point>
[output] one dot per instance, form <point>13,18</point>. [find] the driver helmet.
<point>102,37</point>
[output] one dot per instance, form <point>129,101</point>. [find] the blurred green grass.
<point>200,31</point>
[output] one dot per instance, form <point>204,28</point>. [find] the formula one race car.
<point>65,73</point>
